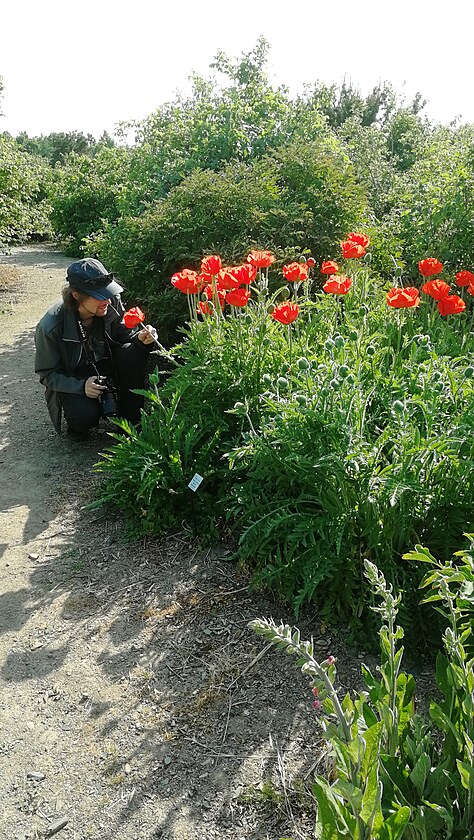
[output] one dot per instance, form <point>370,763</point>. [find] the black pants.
<point>83,413</point>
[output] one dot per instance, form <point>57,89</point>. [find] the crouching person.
<point>86,357</point>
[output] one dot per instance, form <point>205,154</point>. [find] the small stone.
<point>56,826</point>
<point>127,769</point>
<point>167,760</point>
<point>33,556</point>
<point>35,777</point>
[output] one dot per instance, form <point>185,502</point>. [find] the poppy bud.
<point>282,383</point>
<point>469,372</point>
<point>343,371</point>
<point>266,342</point>
<point>301,399</point>
<point>248,319</point>
<point>370,350</point>
<point>266,379</point>
<point>353,335</point>
<point>398,407</point>
<point>328,344</point>
<point>324,392</point>
<point>335,384</point>
<point>339,341</point>
<point>285,293</point>
<point>310,262</point>
<point>240,408</point>
<point>351,379</point>
<point>435,376</point>
<point>303,364</point>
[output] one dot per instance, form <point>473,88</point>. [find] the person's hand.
<point>92,389</point>
<point>147,335</point>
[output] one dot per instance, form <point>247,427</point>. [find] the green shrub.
<point>306,193</point>
<point>24,180</point>
<point>86,193</point>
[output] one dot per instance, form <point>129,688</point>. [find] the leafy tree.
<point>56,146</point>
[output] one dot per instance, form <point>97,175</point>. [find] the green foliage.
<point>397,775</point>
<point>305,193</point>
<point>24,182</point>
<point>436,203</point>
<point>86,191</point>
<point>151,471</point>
<point>348,434</point>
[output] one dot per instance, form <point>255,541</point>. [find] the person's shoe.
<point>77,436</point>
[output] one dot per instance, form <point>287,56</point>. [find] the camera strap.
<point>85,343</point>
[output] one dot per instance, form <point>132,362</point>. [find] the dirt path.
<point>130,702</point>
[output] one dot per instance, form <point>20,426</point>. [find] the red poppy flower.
<point>470,289</point>
<point>243,274</point>
<point>187,281</point>
<point>329,267</point>
<point>310,262</point>
<point>285,313</point>
<point>352,250</point>
<point>359,239</point>
<point>226,280</point>
<point>260,259</point>
<point>238,297</point>
<point>295,272</point>
<point>430,267</point>
<point>403,298</point>
<point>465,278</point>
<point>452,305</point>
<point>437,289</point>
<point>133,317</point>
<point>211,265</point>
<point>337,285</point>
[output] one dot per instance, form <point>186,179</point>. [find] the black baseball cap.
<point>92,278</point>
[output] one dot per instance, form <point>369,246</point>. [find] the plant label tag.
<point>195,482</point>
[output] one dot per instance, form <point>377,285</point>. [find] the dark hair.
<point>69,300</point>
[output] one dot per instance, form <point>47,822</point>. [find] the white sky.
<point>89,64</point>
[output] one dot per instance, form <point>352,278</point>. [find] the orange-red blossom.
<point>329,267</point>
<point>359,238</point>
<point>285,313</point>
<point>465,278</point>
<point>430,266</point>
<point>260,259</point>
<point>187,281</point>
<point>352,250</point>
<point>337,285</point>
<point>211,265</point>
<point>451,305</point>
<point>295,272</point>
<point>437,289</point>
<point>238,297</point>
<point>133,317</point>
<point>403,298</point>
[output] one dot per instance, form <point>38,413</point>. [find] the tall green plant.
<point>397,776</point>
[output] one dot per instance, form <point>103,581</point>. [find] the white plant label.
<point>195,482</point>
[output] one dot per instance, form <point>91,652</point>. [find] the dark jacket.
<point>59,351</point>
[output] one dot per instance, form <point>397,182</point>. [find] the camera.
<point>109,397</point>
